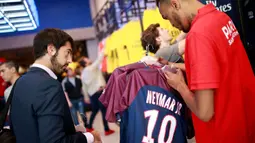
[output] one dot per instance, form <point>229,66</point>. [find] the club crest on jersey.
<point>230,32</point>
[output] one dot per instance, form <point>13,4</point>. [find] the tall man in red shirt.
<point>221,83</point>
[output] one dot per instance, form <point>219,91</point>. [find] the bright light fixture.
<point>2,22</point>
<point>30,14</point>
<point>16,14</point>
<point>7,20</point>
<point>19,16</point>
<point>6,30</point>
<point>23,25</point>
<point>26,28</point>
<point>6,1</point>
<point>18,20</point>
<point>12,8</point>
<point>5,27</point>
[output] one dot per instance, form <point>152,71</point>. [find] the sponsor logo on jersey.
<point>221,7</point>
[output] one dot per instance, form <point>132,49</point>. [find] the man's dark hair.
<point>11,64</point>
<point>45,37</point>
<point>149,37</point>
<point>159,1</point>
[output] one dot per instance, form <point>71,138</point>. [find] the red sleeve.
<point>204,68</point>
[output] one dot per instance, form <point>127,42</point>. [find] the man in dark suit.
<point>39,110</point>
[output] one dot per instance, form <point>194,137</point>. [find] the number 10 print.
<point>153,116</point>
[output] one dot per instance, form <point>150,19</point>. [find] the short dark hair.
<point>159,1</point>
<point>48,36</point>
<point>11,64</point>
<point>149,37</point>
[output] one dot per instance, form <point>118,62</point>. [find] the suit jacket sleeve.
<point>49,107</point>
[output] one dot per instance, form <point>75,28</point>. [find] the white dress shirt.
<point>7,93</point>
<point>89,136</point>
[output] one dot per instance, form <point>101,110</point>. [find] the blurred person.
<point>9,72</point>
<point>94,82</point>
<point>159,39</point>
<point>73,89</point>
<point>220,90</point>
<point>2,88</point>
<point>39,110</point>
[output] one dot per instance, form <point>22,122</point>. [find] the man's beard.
<point>56,66</point>
<point>181,27</point>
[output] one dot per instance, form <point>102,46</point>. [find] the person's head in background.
<point>180,13</point>
<point>70,72</point>
<point>9,71</point>
<point>155,36</point>
<point>53,48</point>
<point>84,62</point>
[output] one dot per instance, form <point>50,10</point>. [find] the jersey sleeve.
<point>108,96</point>
<point>119,90</point>
<point>204,68</point>
<point>104,98</point>
<point>130,91</point>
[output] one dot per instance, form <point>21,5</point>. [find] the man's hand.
<point>175,79</point>
<point>201,104</point>
<point>86,100</point>
<point>80,128</point>
<point>97,137</point>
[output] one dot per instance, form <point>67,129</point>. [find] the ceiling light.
<point>6,1</point>
<point>18,20</point>
<point>26,28</point>
<point>7,20</point>
<point>23,25</point>
<point>30,14</point>
<point>2,21</point>
<point>6,30</point>
<point>5,27</point>
<point>16,14</point>
<point>12,8</point>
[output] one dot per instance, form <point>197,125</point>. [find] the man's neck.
<point>193,10</point>
<point>165,44</point>
<point>14,78</point>
<point>71,76</point>
<point>42,62</point>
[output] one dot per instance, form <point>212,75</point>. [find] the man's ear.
<point>51,50</point>
<point>158,39</point>
<point>13,70</point>
<point>175,4</point>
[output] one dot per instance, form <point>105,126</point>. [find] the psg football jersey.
<point>151,111</point>
<point>114,89</point>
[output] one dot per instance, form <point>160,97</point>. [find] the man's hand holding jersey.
<point>199,101</point>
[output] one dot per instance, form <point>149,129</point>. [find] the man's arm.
<point>49,108</point>
<point>68,100</point>
<point>66,94</point>
<point>201,102</point>
<point>181,36</point>
<point>172,52</point>
<point>99,60</point>
<point>181,47</point>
